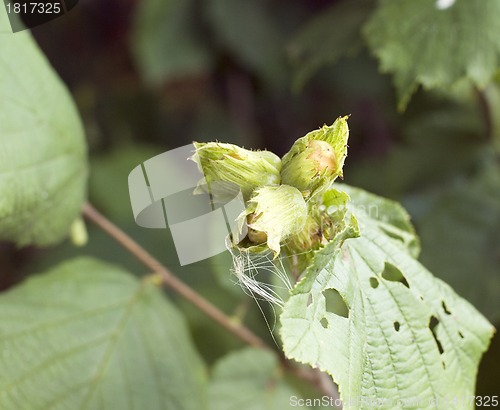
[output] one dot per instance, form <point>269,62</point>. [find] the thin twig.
<point>237,329</point>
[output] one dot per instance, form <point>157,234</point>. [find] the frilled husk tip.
<point>230,164</point>
<point>316,160</point>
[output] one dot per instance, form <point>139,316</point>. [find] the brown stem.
<point>237,329</point>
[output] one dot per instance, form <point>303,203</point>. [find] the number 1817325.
<point>34,8</point>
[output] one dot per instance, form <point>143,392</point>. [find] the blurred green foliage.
<point>88,316</point>
<point>435,43</point>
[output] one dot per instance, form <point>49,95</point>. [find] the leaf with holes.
<point>398,333</point>
<point>88,335</point>
<point>436,43</point>
<point>43,169</point>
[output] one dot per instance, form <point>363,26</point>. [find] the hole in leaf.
<point>397,326</point>
<point>335,303</point>
<point>432,326</point>
<point>394,274</point>
<point>374,283</point>
<point>461,335</point>
<point>324,322</point>
<point>445,308</point>
<point>309,300</point>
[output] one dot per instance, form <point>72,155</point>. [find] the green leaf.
<point>43,168</point>
<point>250,379</point>
<point>327,37</point>
<point>386,215</point>
<point>249,31</point>
<point>166,43</point>
<point>407,335</point>
<point>88,335</point>
<point>422,44</point>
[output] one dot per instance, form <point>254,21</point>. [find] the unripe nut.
<point>254,235</point>
<point>316,160</point>
<point>324,155</point>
